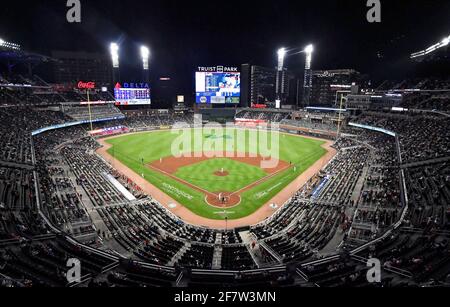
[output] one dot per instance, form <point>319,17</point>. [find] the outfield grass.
<point>151,146</point>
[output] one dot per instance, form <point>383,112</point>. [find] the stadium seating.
<point>356,199</point>
<point>265,115</point>
<point>422,137</point>
<point>96,112</point>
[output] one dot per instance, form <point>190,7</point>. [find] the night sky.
<point>185,34</point>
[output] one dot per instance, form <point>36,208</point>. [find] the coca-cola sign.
<point>86,85</point>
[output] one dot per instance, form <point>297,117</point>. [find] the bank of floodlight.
<point>309,49</point>
<point>145,54</point>
<point>114,49</point>
<point>9,45</point>
<point>445,42</point>
<point>281,55</point>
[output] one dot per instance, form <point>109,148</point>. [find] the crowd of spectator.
<point>263,115</point>
<point>429,194</point>
<point>430,101</point>
<point>415,84</point>
<point>97,112</point>
<point>354,199</point>
<point>422,137</point>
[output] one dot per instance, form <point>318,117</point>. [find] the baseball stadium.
<point>135,167</point>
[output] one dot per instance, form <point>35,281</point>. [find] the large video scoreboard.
<point>132,94</point>
<point>218,85</point>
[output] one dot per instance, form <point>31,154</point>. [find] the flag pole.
<point>89,107</point>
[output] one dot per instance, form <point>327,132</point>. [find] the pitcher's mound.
<point>221,174</point>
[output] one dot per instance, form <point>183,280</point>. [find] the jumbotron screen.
<point>132,94</point>
<point>218,87</point>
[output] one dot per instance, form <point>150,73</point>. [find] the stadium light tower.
<point>281,55</point>
<point>280,77</point>
<point>307,84</point>
<point>145,54</point>
<point>114,49</point>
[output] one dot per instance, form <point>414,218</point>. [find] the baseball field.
<point>221,184</point>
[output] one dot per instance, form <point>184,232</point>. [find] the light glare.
<point>446,41</point>
<point>145,53</point>
<point>309,49</point>
<point>114,48</point>
<point>282,52</point>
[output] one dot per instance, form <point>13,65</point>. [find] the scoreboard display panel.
<point>132,94</point>
<point>218,87</point>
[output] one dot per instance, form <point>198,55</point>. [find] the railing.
<point>405,201</point>
<point>84,279</point>
<point>390,269</point>
<point>273,253</point>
